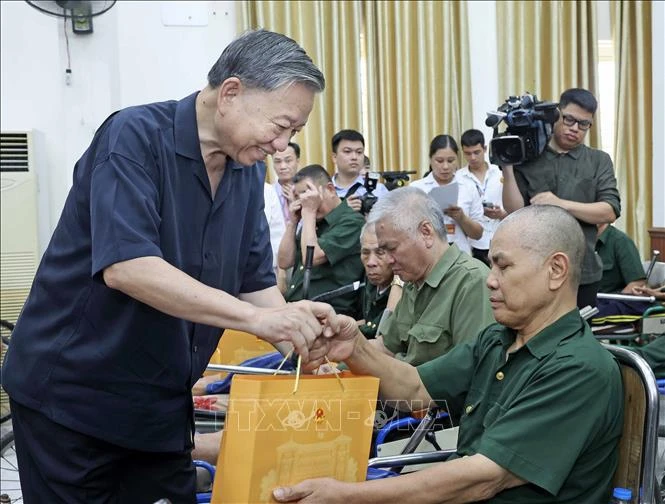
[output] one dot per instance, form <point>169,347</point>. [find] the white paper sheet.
<point>446,195</point>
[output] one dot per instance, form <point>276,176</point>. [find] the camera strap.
<point>353,189</point>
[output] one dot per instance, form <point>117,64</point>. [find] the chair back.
<point>638,445</point>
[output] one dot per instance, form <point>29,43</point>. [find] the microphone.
<point>494,118</point>
<point>309,260</point>
<point>654,258</point>
<point>324,296</point>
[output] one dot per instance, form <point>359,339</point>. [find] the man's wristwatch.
<point>397,281</point>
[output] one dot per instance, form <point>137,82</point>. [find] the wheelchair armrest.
<point>394,425</point>
<point>410,459</point>
<point>207,466</point>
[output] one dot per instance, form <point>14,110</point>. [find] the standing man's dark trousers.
<point>586,295</point>
<point>60,466</point>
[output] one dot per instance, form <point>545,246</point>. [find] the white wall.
<point>658,105</point>
<point>32,93</point>
<point>139,52</point>
<point>484,69</point>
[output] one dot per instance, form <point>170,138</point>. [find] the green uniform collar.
<point>546,341</point>
<point>574,153</point>
<point>442,266</point>
<point>604,235</point>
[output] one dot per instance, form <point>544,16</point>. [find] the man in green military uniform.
<point>334,231</point>
<point>444,299</point>
<point>541,400</point>
<point>378,282</point>
<point>572,176</point>
<point>622,266</point>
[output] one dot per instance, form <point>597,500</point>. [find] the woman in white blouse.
<point>462,220</point>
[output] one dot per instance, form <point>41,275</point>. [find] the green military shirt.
<point>452,305</point>
<point>621,260</point>
<point>338,234</point>
<point>584,175</point>
<point>654,354</point>
<point>372,305</point>
<point>550,412</point>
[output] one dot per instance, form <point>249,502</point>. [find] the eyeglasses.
<point>569,120</point>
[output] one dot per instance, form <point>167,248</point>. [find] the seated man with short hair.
<point>444,299</point>
<point>623,273</point>
<point>541,400</point>
<point>378,282</point>
<point>334,231</point>
<point>622,265</point>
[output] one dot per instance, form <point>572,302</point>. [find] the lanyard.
<point>481,191</point>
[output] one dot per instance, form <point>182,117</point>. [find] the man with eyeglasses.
<point>572,176</point>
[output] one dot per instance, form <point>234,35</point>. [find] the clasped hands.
<point>313,328</point>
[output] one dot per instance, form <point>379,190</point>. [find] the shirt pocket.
<point>470,423</point>
<point>422,333</point>
<point>582,190</point>
<point>608,264</point>
<point>425,342</point>
<point>492,415</point>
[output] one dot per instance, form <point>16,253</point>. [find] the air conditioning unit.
<point>19,242</point>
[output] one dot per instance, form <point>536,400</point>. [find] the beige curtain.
<point>329,32</point>
<point>418,79</point>
<point>546,47</point>
<point>631,33</point>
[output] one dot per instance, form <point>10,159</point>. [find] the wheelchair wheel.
<point>10,486</point>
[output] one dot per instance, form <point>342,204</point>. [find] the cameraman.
<point>348,147</point>
<point>572,176</point>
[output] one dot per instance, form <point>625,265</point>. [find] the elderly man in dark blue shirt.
<point>162,242</point>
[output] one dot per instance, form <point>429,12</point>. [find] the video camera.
<point>528,129</point>
<point>395,179</point>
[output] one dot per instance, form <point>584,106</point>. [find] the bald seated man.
<point>541,399</point>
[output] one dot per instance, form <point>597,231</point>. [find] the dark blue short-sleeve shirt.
<point>96,360</point>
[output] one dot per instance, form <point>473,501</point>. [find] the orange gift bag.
<point>274,436</point>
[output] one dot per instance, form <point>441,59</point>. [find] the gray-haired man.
<point>445,299</point>
<point>162,242</point>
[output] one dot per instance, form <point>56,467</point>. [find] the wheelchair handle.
<point>626,297</point>
<point>246,370</point>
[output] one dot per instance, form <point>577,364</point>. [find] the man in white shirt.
<point>275,219</point>
<point>348,156</point>
<point>488,181</point>
<point>286,164</point>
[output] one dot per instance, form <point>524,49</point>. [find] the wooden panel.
<point>657,236</point>
<point>628,471</point>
